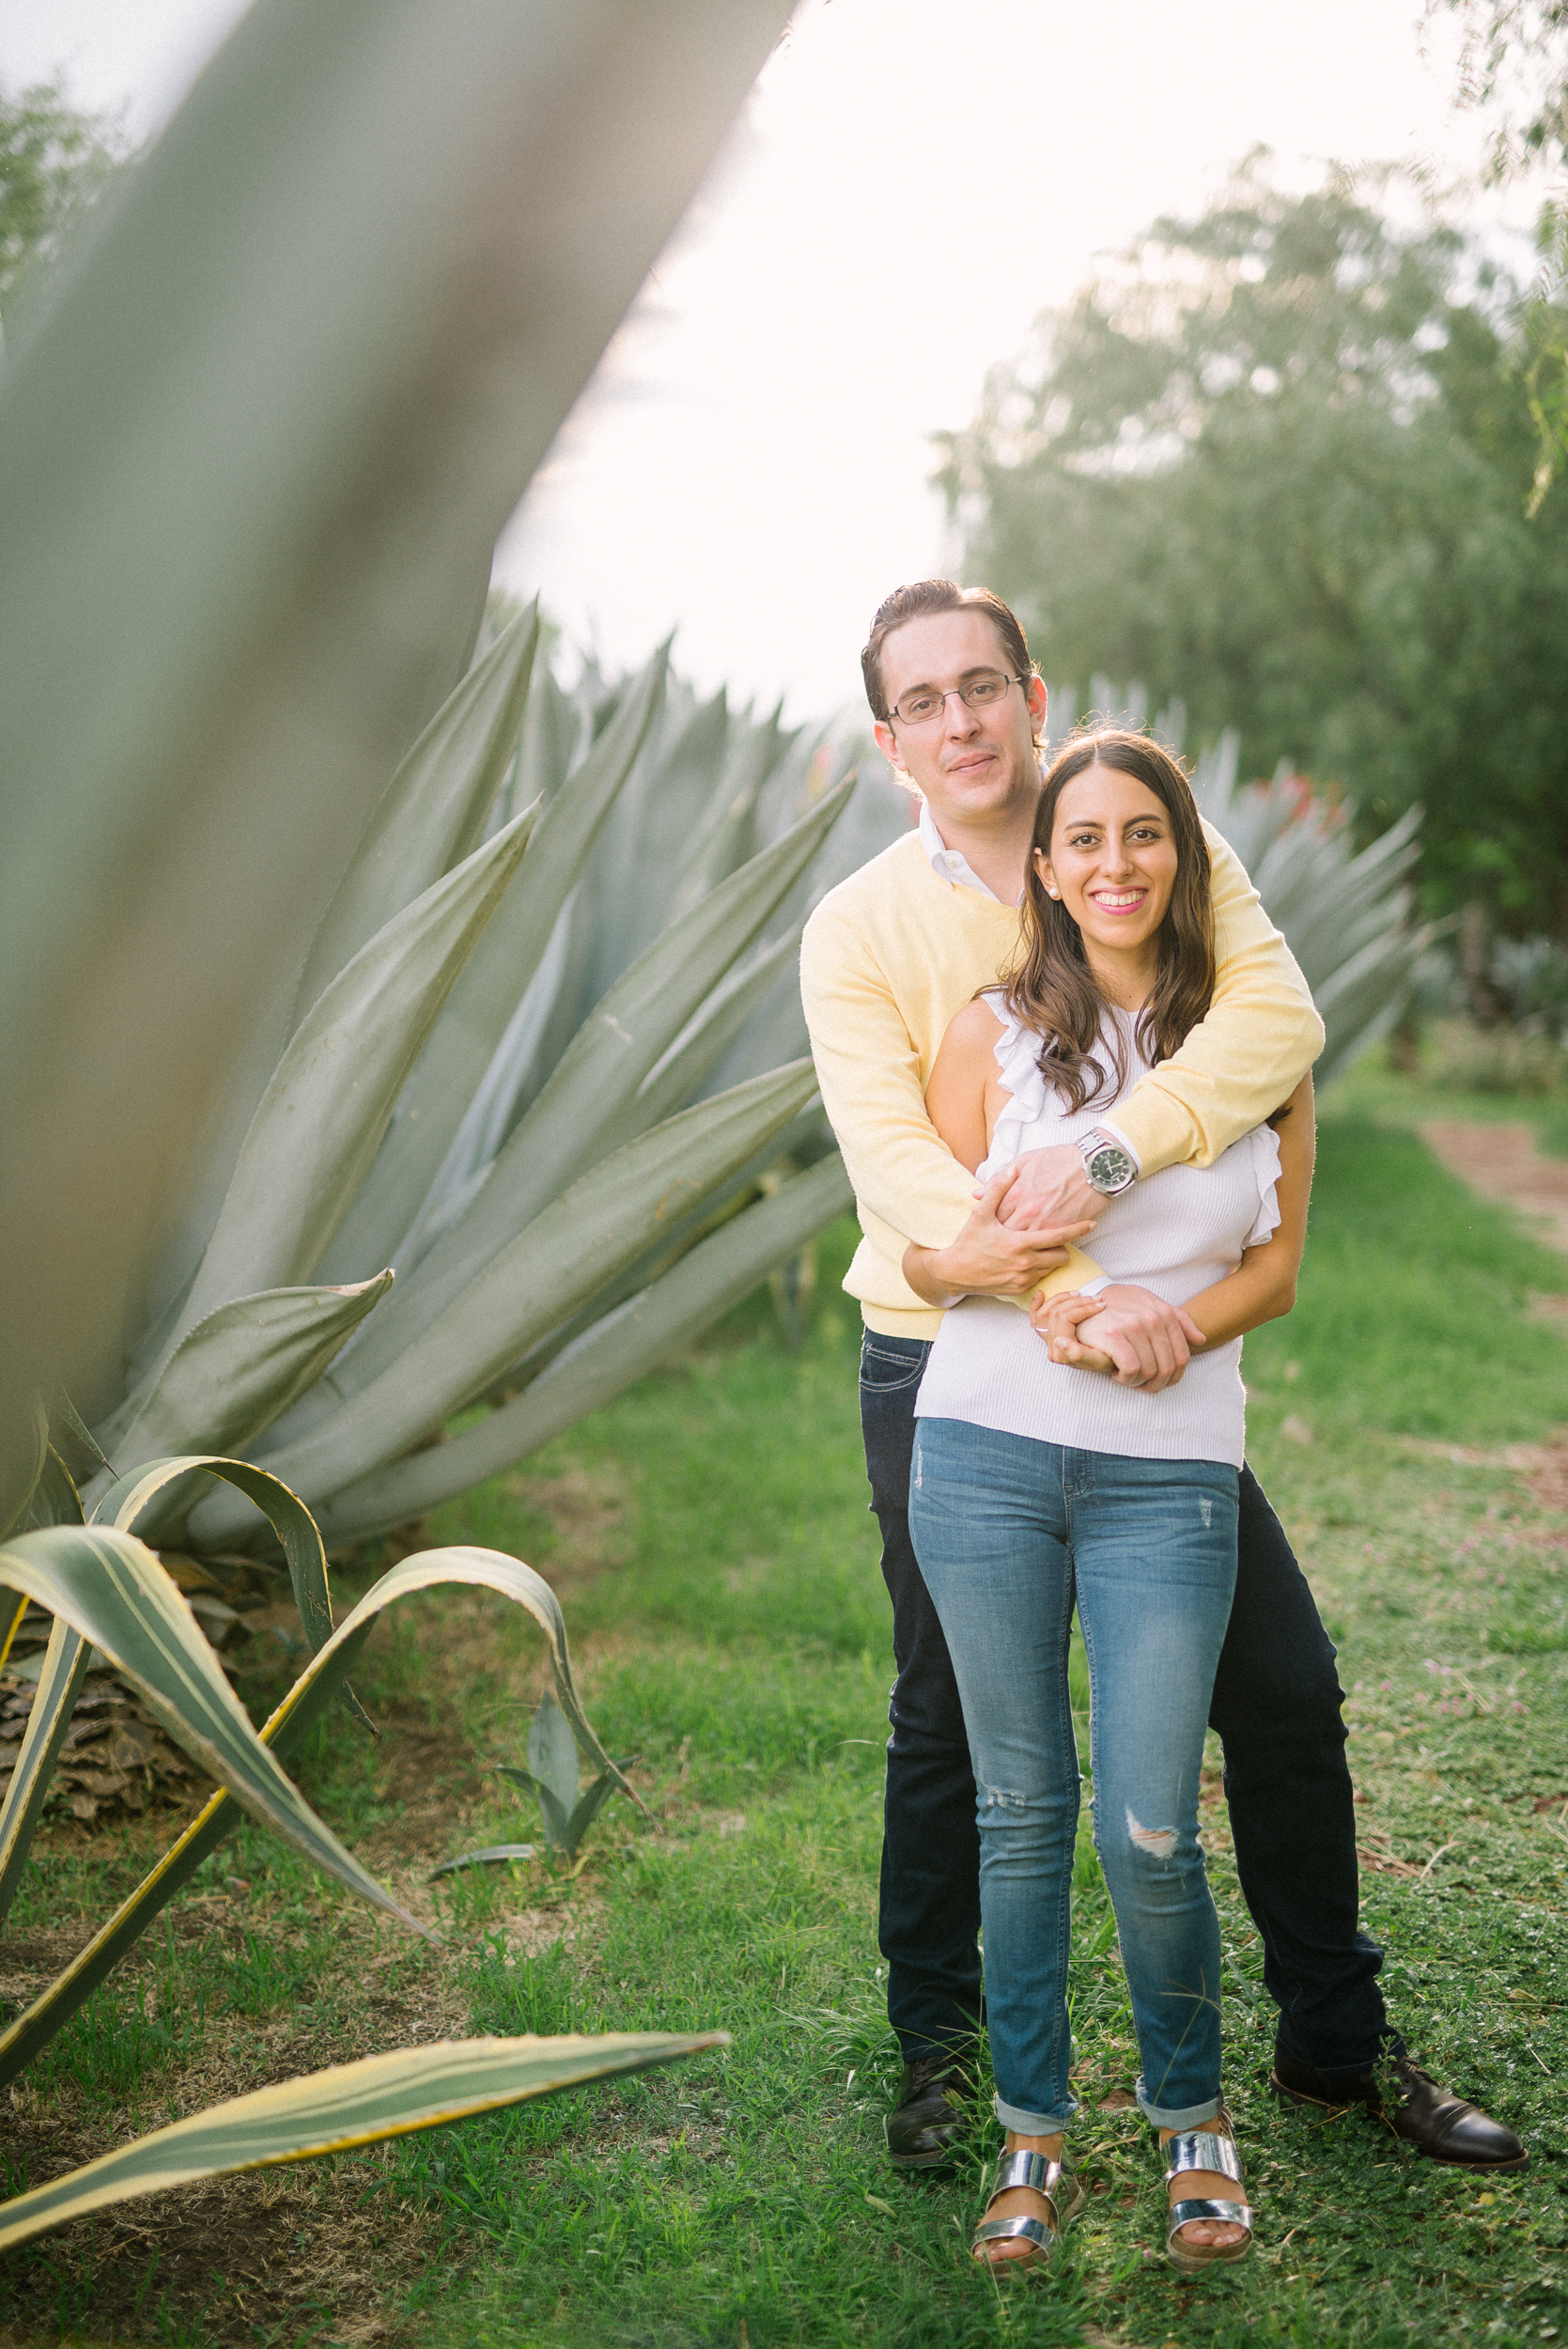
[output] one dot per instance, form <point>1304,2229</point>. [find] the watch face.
<point>1110,1169</point>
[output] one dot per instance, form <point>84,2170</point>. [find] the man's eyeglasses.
<point>981,693</point>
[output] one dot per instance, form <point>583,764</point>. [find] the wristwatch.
<point>1108,1167</point>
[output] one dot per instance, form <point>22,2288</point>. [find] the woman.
<point>1072,1467</point>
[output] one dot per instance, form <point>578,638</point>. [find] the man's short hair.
<point>918,603</point>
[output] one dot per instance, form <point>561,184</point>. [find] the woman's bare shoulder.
<point>974,1029</point>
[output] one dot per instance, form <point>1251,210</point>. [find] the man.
<point>888,958</point>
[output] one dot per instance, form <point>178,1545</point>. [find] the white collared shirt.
<point>947,864</point>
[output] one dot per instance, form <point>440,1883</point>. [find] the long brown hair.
<point>1052,989</point>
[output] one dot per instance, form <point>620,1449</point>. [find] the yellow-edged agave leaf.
<point>645,1330</point>
<point>349,2105</point>
<point>432,814</point>
<point>242,1368</point>
<point>128,1501</point>
<point>487,998</point>
<point>159,1489</point>
<point>16,1622</point>
<point>577,1245</point>
<point>65,1665</point>
<point>623,1039</point>
<point>492,1856</point>
<point>321,1119</point>
<point>294,1717</point>
<point>111,1589</point>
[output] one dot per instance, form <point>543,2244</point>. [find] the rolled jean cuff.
<point>1033,2124</point>
<point>1177,2116</point>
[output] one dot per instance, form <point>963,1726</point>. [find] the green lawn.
<point>710,1538</point>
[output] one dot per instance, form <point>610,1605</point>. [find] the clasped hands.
<point>1018,1232</point>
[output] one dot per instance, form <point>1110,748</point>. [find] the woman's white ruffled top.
<point>1176,1233</point>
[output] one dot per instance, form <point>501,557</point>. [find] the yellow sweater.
<point>892,953</point>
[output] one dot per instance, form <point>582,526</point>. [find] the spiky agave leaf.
<point>433,812</point>
<point>633,1339</point>
<point>579,1243</point>
<point>110,1589</point>
<point>301,1709</point>
<point>1346,914</point>
<point>474,1025</point>
<point>319,1124</point>
<point>349,2104</point>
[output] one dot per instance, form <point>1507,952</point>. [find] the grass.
<point>709,1536</point>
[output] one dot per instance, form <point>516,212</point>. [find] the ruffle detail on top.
<point>1265,1145</point>
<point>1016,1050</point>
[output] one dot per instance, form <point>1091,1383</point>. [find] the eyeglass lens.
<point>918,709</point>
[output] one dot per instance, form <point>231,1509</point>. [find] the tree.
<point>54,164</point>
<point>1274,464</point>
<point>1514,61</point>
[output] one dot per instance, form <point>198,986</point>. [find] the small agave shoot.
<point>107,1591</point>
<point>568,1807</point>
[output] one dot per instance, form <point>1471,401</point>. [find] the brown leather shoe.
<point>935,2104</point>
<point>1430,2118</point>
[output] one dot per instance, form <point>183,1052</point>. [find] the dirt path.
<point>1502,1162</point>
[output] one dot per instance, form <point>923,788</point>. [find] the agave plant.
<point>256,445</point>
<point>1346,914</point>
<point>108,1592</point>
<point>544,1048</point>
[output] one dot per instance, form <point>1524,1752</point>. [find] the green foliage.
<point>1274,464</point>
<point>55,164</point>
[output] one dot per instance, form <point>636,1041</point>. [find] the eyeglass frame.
<point>963,692</point>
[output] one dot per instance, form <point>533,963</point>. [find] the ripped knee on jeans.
<point>1158,1841</point>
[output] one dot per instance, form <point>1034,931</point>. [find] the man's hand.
<point>1052,1188</point>
<point>991,1258</point>
<point>1146,1341</point>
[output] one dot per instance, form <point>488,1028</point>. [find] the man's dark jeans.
<point>1277,1709</point>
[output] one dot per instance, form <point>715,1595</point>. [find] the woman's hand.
<point>989,1258</point>
<point>1144,1342</point>
<point>1059,1320</point>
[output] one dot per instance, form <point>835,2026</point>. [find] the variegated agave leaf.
<point>348,2105</point>
<point>110,1589</point>
<point>294,1717</point>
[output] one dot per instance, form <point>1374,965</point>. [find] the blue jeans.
<point>1009,1532</point>
<point>1276,1707</point>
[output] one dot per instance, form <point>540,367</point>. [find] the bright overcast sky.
<point>913,181</point>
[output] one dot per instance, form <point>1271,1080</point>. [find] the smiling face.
<point>972,765</point>
<point>1113,864</point>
